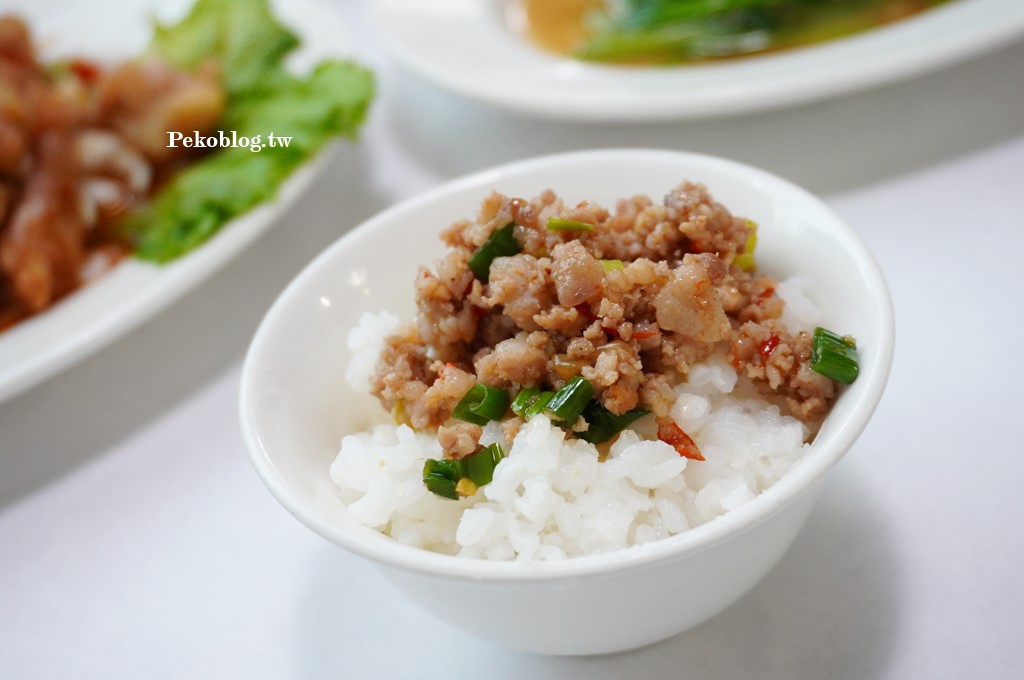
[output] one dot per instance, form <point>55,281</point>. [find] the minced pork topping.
<point>628,299</point>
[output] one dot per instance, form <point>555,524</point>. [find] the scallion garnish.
<point>523,400</point>
<point>482,404</point>
<point>745,260</point>
<point>602,424</point>
<point>441,486</point>
<point>538,404</point>
<point>834,356</point>
<point>611,265</point>
<point>502,243</point>
<point>562,224</point>
<point>568,403</point>
<point>479,467</point>
<point>454,478</point>
<point>441,476</point>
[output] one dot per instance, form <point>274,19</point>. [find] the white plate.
<point>134,291</point>
<point>465,46</point>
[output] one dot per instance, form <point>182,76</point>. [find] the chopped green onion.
<point>602,424</point>
<point>538,404</point>
<point>482,404</point>
<point>441,486</point>
<point>568,403</point>
<point>479,467</point>
<point>524,399</point>
<point>834,356</point>
<point>445,467</point>
<point>502,243</point>
<point>441,476</point>
<point>745,260</point>
<point>446,477</point>
<point>562,224</point>
<point>611,265</point>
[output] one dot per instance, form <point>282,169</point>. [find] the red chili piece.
<point>769,345</point>
<point>673,435</point>
<point>86,71</point>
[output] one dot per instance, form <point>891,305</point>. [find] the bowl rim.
<point>792,485</point>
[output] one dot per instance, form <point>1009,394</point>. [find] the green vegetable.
<point>482,404</point>
<point>565,405</point>
<point>249,45</point>
<point>442,477</point>
<point>524,399</point>
<point>745,260</point>
<point>538,404</point>
<point>242,36</point>
<point>682,30</point>
<point>611,265</point>
<point>441,486</point>
<point>834,356</point>
<point>568,403</point>
<point>479,467</point>
<point>576,398</point>
<point>562,224</point>
<point>502,243</point>
<point>603,424</point>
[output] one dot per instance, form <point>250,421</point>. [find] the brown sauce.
<point>556,25</point>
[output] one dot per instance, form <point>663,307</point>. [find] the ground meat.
<point>709,227</point>
<point>616,373</point>
<point>779,362</point>
<point>666,296</point>
<point>459,439</point>
<point>576,273</point>
<point>513,363</point>
<point>656,394</point>
<point>446,320</point>
<point>689,304</point>
<point>522,285</point>
<point>438,401</point>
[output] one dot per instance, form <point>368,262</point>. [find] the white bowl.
<point>295,407</point>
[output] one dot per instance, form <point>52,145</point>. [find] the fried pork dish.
<point>81,146</point>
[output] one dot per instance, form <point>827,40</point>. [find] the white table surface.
<point>137,542</point>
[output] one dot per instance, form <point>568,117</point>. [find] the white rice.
<point>551,498</point>
<point>364,343</point>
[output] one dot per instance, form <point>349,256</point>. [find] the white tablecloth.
<point>137,542</point>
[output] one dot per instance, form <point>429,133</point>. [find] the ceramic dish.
<point>465,46</point>
<point>295,407</point>
<point>134,291</point>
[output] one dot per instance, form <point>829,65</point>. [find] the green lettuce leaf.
<point>262,98</point>
<point>241,35</point>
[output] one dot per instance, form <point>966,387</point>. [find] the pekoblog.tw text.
<point>223,139</point>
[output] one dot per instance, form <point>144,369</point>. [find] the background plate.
<point>134,291</point>
<point>465,46</point>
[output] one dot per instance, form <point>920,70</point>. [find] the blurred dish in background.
<point>683,31</point>
<point>90,184</point>
<point>472,48</point>
<point>81,147</point>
